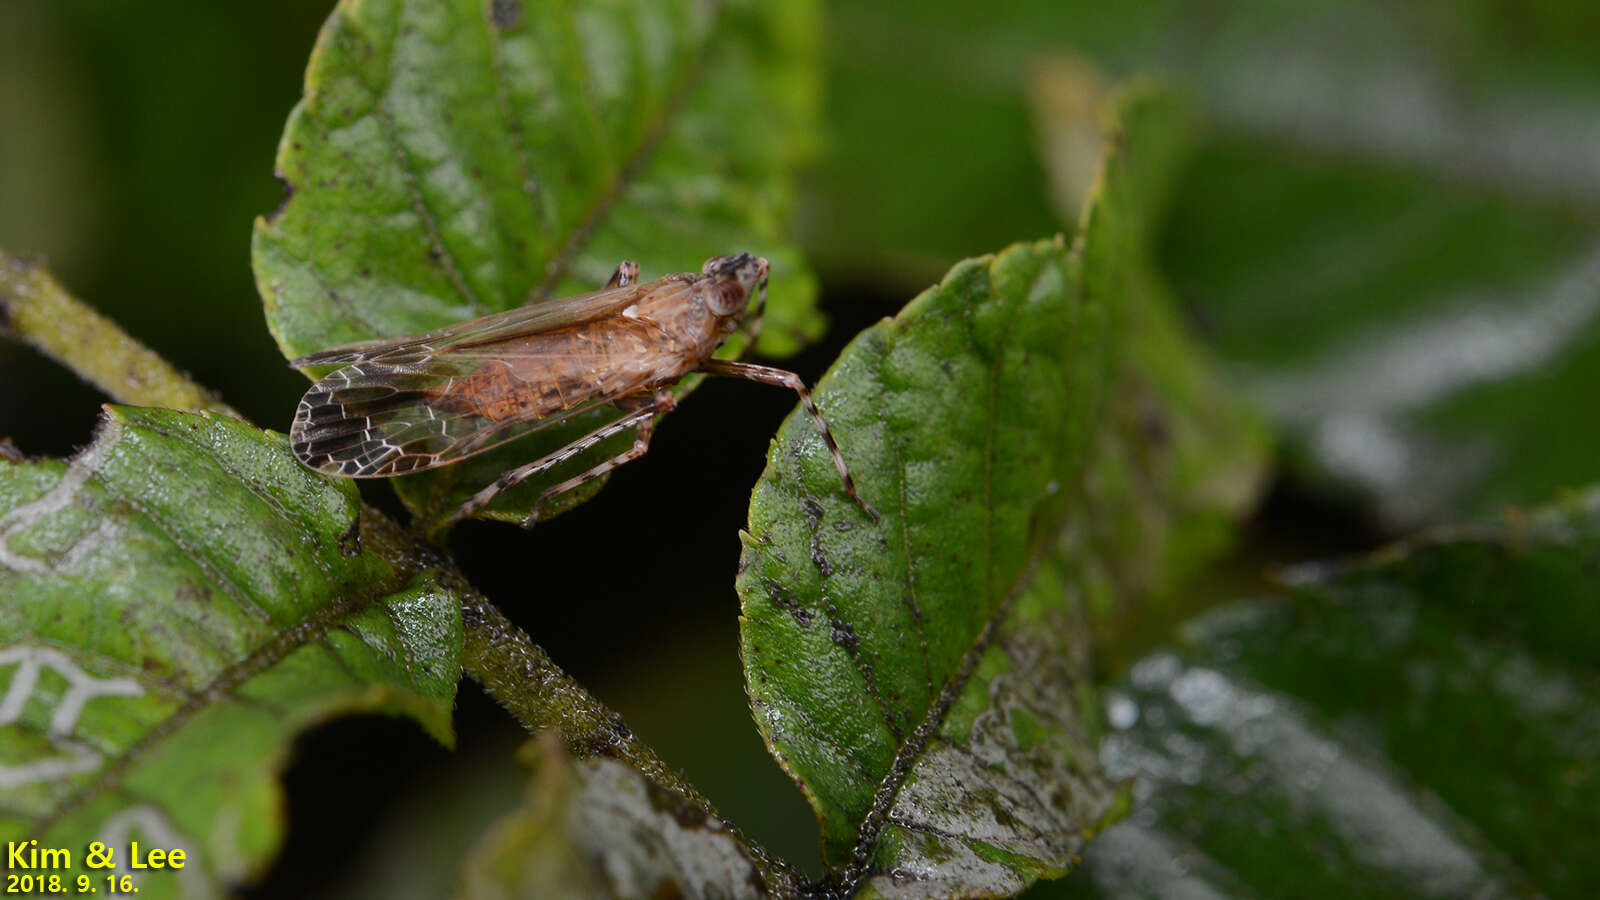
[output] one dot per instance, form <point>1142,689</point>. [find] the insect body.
<point>427,400</point>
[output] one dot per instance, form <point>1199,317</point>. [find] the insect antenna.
<point>752,323</point>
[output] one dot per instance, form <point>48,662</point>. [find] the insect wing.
<point>524,320</point>
<point>391,410</point>
<point>383,418</point>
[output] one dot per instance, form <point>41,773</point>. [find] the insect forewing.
<point>529,319</point>
<point>394,428</point>
<point>389,410</point>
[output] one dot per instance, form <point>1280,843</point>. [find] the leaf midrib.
<point>889,788</point>
<point>911,749</point>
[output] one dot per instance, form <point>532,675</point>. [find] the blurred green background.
<point>1389,238</point>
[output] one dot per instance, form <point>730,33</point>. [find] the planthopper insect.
<point>413,403</point>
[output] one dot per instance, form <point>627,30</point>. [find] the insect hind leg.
<point>787,379</point>
<point>640,416</point>
<point>642,433</point>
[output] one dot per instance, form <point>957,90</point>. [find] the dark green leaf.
<point>181,599</point>
<point>858,637</point>
<point>1419,725</point>
<point>922,678</point>
<point>1420,341</point>
<point>929,159</point>
<point>1392,250</point>
<point>455,159</point>
<point>1178,460</point>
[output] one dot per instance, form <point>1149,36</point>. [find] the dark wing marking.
<point>523,320</point>
<point>382,417</point>
<point>404,435</point>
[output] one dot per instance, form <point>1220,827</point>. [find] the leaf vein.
<point>419,203</point>
<point>196,555</point>
<point>905,758</point>
<point>338,660</point>
<point>911,598</point>
<point>250,485</point>
<point>274,649</point>
<point>531,186</point>
<point>635,162</point>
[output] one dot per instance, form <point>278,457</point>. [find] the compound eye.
<point>726,298</point>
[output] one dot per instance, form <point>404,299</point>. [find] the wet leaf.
<point>1472,93</point>
<point>595,828</point>
<point>922,678</point>
<point>1392,251</point>
<point>1179,460</point>
<point>455,159</point>
<point>1421,724</point>
<point>1419,340</point>
<point>859,637</point>
<point>181,599</point>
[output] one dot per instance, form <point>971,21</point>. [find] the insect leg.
<point>783,378</point>
<point>545,463</point>
<point>650,408</point>
<point>627,273</point>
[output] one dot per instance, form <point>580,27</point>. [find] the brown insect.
<point>428,400</point>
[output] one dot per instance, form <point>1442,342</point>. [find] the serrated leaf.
<point>455,159</point>
<point>180,600</point>
<point>858,638</point>
<point>921,678</point>
<point>1179,460</point>
<point>1389,235</point>
<point>1421,724</point>
<point>595,828</point>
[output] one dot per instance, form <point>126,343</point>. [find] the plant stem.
<point>35,309</point>
<point>518,674</point>
<point>521,676</point>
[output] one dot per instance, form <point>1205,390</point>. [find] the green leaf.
<point>1405,300</point>
<point>1178,460</point>
<point>455,159</point>
<point>181,599</point>
<point>596,828</point>
<point>1421,724</point>
<point>1419,340</point>
<point>859,638</point>
<point>923,678</point>
<point>930,159</point>
<point>1392,250</point>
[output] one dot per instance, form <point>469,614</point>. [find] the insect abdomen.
<point>545,374</point>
